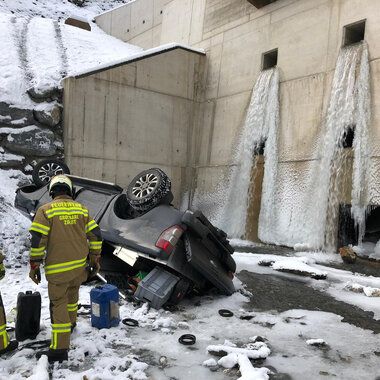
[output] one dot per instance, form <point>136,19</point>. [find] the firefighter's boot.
<point>12,345</point>
<point>54,355</point>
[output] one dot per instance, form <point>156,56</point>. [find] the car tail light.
<point>169,238</point>
<point>231,275</point>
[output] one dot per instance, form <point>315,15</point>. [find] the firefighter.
<point>64,230</point>
<point>6,345</point>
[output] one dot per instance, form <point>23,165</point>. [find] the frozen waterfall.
<point>348,111</point>
<point>260,127</point>
<point>300,201</point>
<point>307,197</point>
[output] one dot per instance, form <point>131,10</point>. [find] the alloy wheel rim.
<point>48,171</point>
<point>145,185</point>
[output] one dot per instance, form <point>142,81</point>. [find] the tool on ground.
<point>86,307</point>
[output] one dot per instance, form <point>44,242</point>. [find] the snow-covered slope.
<point>57,9</point>
<point>41,51</point>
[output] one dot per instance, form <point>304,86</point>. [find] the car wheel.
<point>45,170</point>
<point>148,189</point>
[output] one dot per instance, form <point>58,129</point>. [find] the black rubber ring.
<point>187,339</point>
<point>86,312</point>
<point>130,322</point>
<point>36,345</point>
<point>226,313</point>
<point>84,306</point>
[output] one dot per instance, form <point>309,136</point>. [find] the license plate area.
<point>127,255</point>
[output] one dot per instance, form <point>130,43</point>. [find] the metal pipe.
<point>101,278</point>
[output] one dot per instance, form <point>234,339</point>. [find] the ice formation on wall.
<point>299,204</point>
<point>349,107</point>
<point>307,198</point>
<point>260,126</point>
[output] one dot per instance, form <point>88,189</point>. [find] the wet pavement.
<point>275,293</point>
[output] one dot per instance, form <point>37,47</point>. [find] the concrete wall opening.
<point>261,3</point>
<point>348,137</point>
<point>347,230</point>
<point>354,33</point>
<point>269,59</point>
<point>78,23</point>
<point>260,147</point>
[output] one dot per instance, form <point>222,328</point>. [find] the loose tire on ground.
<point>148,189</point>
<point>45,170</point>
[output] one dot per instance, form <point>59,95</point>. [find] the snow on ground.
<point>13,225</point>
<point>13,84</point>
<point>368,249</point>
<point>292,264</point>
<point>5,157</point>
<point>45,62</point>
<point>335,284</point>
<point>152,350</point>
<point>57,9</point>
<point>87,50</point>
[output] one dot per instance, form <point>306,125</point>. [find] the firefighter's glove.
<point>94,266</point>
<point>35,273</point>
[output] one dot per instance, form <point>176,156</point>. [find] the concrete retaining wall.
<point>132,117</point>
<point>138,22</point>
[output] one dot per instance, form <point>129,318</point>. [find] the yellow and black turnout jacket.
<point>64,230</point>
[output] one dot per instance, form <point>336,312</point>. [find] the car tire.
<point>45,170</point>
<point>148,189</point>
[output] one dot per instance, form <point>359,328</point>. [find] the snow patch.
<point>316,342</point>
<point>57,9</point>
<point>261,353</point>
<point>134,57</point>
<point>210,363</point>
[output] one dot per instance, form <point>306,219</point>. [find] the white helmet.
<point>61,180</point>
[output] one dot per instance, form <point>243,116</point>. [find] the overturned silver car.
<point>144,233</point>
